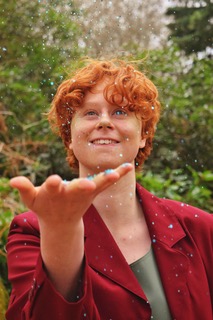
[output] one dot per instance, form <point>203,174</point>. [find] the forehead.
<point>104,91</point>
<point>96,92</point>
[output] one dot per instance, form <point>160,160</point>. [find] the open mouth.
<point>104,141</point>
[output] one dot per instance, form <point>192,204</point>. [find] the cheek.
<point>77,132</point>
<point>132,131</point>
<point>78,138</point>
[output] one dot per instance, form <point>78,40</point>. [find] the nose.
<point>104,122</point>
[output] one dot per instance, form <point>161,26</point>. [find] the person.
<point>101,247</point>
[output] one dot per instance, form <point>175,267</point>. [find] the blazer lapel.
<point>162,222</point>
<point>173,264</point>
<point>104,255</point>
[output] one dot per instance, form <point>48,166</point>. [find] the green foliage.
<point>3,300</point>
<point>192,29</point>
<point>189,186</point>
<point>37,42</point>
<point>184,134</point>
<point>10,205</point>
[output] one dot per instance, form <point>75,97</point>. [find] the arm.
<point>33,295</point>
<point>59,209</point>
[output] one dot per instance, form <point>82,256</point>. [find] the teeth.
<point>104,141</point>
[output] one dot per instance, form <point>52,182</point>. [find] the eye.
<point>91,113</point>
<point>120,112</point>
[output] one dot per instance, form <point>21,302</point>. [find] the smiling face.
<point>104,135</point>
<point>125,86</point>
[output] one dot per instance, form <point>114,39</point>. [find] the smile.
<point>104,141</point>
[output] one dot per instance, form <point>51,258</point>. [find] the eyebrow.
<point>90,103</point>
<point>94,104</point>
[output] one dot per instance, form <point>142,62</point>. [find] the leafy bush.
<point>184,134</point>
<point>3,300</point>
<point>32,63</point>
<point>9,206</point>
<point>189,186</point>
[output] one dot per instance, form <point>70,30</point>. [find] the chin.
<point>104,165</point>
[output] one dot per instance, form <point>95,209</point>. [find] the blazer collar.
<point>161,219</point>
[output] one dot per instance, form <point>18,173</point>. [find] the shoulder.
<point>195,220</point>
<point>186,211</point>
<point>189,217</point>
<point>26,222</point>
<point>181,210</point>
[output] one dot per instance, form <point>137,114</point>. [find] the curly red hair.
<point>124,80</point>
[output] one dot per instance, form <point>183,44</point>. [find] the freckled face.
<point>104,135</point>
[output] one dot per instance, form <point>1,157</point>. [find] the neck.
<point>118,204</point>
<point>123,215</point>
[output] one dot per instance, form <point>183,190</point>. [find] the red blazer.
<point>182,239</point>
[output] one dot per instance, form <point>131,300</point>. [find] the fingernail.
<point>65,181</point>
<point>108,171</point>
<point>126,164</point>
<point>91,177</point>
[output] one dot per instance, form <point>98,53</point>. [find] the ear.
<point>142,143</point>
<point>70,145</point>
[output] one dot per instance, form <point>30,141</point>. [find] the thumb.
<point>26,189</point>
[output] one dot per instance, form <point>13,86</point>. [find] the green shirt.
<point>146,271</point>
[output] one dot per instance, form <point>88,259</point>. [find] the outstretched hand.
<point>60,207</point>
<point>59,202</point>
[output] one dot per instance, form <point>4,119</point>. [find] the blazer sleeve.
<point>33,296</point>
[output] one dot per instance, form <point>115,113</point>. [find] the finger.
<point>97,182</point>
<point>115,174</point>
<point>26,189</point>
<point>56,187</point>
<point>124,169</point>
<point>21,183</point>
<point>109,177</point>
<point>80,184</point>
<point>53,184</point>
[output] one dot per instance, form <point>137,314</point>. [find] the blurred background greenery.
<point>41,41</point>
